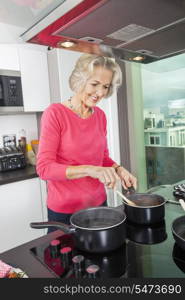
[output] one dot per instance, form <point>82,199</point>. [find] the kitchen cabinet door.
<point>9,59</point>
<point>35,79</point>
<point>43,188</point>
<point>20,204</point>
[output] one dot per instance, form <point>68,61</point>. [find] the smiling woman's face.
<point>96,87</point>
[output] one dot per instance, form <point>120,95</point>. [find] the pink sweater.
<point>68,140</point>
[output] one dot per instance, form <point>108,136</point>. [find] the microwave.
<point>11,99</point>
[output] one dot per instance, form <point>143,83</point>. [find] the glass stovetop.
<point>148,252</point>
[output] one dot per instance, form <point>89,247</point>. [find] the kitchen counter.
<point>22,258</point>
<point>18,175</point>
<point>159,259</point>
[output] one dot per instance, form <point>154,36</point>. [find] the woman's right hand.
<point>106,175</point>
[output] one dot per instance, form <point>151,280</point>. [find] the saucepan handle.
<point>131,190</point>
<point>65,228</point>
<point>157,188</point>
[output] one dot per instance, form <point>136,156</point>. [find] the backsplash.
<point>12,124</point>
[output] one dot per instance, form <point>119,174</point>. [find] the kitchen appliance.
<point>129,30</point>
<point>66,261</point>
<point>179,257</point>
<point>145,245</point>
<point>11,158</point>
<point>11,99</point>
<point>178,230</point>
<point>149,255</point>
<point>95,230</point>
<point>149,209</point>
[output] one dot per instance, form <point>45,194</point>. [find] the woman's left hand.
<point>127,179</point>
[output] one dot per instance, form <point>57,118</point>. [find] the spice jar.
<point>30,155</point>
<point>22,140</point>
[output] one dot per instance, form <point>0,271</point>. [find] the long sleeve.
<point>48,168</point>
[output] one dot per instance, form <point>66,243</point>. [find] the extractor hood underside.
<point>154,29</point>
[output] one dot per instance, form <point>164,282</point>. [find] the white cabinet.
<point>20,204</point>
<point>35,79</point>
<point>43,188</point>
<point>9,58</point>
<point>33,65</point>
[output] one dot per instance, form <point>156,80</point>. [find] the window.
<point>182,138</point>
<point>164,100</point>
<point>154,140</point>
<point>172,140</point>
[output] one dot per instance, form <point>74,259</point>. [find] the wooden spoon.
<point>125,199</point>
<point>182,203</point>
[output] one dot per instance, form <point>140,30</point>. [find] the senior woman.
<point>73,156</point>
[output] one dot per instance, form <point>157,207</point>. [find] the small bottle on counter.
<point>30,155</point>
<point>35,145</point>
<point>22,140</point>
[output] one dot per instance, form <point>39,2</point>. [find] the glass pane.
<point>163,85</point>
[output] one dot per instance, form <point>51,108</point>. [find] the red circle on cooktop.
<point>65,250</point>
<point>55,242</point>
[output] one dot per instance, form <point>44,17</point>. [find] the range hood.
<point>139,30</point>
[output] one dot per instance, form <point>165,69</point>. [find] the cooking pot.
<point>95,229</point>
<point>178,231</point>
<point>179,257</point>
<point>148,208</point>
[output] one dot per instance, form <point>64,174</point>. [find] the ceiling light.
<point>67,44</point>
<point>138,58</point>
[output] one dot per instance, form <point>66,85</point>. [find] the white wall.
<point>10,34</point>
<point>67,62</point>
<point>12,124</point>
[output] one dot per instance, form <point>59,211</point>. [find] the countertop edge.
<point>18,175</point>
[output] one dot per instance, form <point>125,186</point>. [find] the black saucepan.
<point>148,209</point>
<point>178,231</point>
<point>95,229</point>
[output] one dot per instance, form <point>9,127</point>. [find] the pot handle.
<point>65,228</point>
<point>156,188</point>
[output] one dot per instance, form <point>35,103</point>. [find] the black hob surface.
<point>148,252</point>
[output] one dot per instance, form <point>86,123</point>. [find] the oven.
<point>11,98</point>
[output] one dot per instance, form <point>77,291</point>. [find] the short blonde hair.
<point>85,66</point>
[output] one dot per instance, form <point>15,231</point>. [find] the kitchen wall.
<point>10,34</point>
<point>12,124</point>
